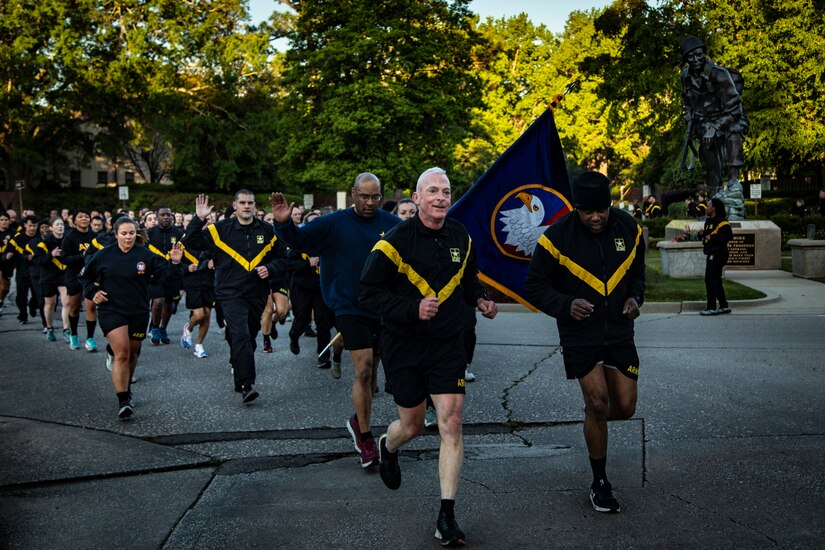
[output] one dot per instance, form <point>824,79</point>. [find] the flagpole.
<point>331,342</point>
<point>558,98</point>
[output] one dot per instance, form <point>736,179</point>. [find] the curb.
<point>670,307</point>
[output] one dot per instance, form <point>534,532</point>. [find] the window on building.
<point>102,178</point>
<point>74,179</point>
<point>130,178</point>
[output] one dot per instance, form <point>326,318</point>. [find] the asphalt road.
<point>725,451</point>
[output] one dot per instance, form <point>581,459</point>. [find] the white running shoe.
<point>469,376</point>
<point>200,353</point>
<point>110,360</point>
<point>186,337</point>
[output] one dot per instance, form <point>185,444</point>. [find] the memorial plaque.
<point>742,250</point>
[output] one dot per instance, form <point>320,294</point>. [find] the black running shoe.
<point>125,410</point>
<point>310,333</point>
<point>448,532</point>
<point>248,394</point>
<point>602,499</point>
<point>389,469</point>
<point>294,347</point>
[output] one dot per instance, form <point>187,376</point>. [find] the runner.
<point>162,239</point>
<point>75,244</point>
<point>117,279</point>
<point>48,254</point>
<point>19,253</point>
<point>245,250</point>
<point>343,240</point>
<point>420,277</point>
<point>6,265</point>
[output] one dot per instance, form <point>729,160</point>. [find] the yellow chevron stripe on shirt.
<point>249,266</point>
<point>605,289</point>
<point>718,227</point>
<point>417,280</point>
<point>60,265</point>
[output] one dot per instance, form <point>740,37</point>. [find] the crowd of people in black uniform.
<point>409,275</point>
<point>128,272</point>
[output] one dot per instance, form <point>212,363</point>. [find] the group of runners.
<point>402,292</point>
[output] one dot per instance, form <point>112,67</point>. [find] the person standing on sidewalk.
<point>343,240</point>
<point>420,278</point>
<point>715,238</point>
<point>244,251</point>
<point>588,271</point>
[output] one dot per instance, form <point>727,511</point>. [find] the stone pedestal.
<point>808,257</point>
<point>682,260</point>
<point>756,244</point>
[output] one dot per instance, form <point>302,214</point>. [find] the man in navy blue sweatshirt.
<point>343,240</point>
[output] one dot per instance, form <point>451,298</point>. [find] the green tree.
<point>167,76</point>
<point>40,58</point>
<point>777,45</point>
<point>513,65</point>
<point>382,86</point>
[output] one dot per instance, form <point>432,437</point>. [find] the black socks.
<point>598,467</point>
<point>447,507</point>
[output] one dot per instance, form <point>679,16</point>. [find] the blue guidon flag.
<point>512,203</point>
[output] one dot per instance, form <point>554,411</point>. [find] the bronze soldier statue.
<point>712,99</point>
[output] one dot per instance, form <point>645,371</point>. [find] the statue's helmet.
<point>689,44</point>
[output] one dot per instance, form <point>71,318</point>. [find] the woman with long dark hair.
<point>715,238</point>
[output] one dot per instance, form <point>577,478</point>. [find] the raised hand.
<point>280,209</point>
<point>202,207</point>
<point>176,253</point>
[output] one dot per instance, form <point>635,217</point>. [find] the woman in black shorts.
<point>48,255</point>
<point>117,280</point>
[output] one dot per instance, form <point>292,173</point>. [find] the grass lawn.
<point>665,289</point>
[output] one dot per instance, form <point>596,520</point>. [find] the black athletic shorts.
<point>167,293</point>
<point>359,332</point>
<point>7,270</point>
<point>580,360</point>
<point>73,286</point>
<point>110,320</point>
<point>197,298</point>
<point>416,367</point>
<point>49,288</point>
<point>279,285</point>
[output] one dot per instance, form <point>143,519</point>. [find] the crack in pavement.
<point>715,513</point>
<point>505,396</point>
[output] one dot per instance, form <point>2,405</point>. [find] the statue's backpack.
<point>739,84</point>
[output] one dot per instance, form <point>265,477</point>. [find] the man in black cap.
<point>588,272</point>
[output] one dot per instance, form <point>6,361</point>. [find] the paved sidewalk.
<point>726,450</point>
<point>785,294</point>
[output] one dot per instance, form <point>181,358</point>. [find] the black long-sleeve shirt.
<point>126,276</point>
<point>413,262</point>
<point>604,268</point>
<point>20,254</point>
<point>237,250</point>
<point>52,267</point>
<point>715,237</point>
<point>75,244</point>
